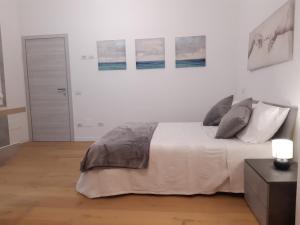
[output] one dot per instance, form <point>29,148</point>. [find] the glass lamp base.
<point>282,164</point>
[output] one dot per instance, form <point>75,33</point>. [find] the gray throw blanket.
<point>126,146</point>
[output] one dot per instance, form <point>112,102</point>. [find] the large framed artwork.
<point>150,53</point>
<point>190,51</point>
<point>2,78</point>
<point>111,55</point>
<point>272,42</point>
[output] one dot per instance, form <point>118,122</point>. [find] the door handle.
<point>62,90</point>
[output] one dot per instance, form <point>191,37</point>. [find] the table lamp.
<point>282,151</point>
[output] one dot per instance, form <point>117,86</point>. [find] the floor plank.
<point>37,187</point>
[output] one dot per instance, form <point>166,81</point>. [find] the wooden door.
<point>47,84</point>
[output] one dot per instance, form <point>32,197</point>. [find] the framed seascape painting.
<point>2,79</point>
<point>150,53</point>
<point>272,42</point>
<point>190,51</point>
<point>111,55</point>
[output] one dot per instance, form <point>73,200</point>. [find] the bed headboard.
<point>287,129</point>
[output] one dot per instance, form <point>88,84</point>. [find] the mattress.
<point>185,159</point>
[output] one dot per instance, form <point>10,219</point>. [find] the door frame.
<point>69,88</point>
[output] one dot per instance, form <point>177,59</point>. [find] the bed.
<point>185,159</point>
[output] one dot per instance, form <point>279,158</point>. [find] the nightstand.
<point>270,193</point>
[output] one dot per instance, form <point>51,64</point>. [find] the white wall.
<point>280,83</point>
<point>13,66</point>
<point>152,95</point>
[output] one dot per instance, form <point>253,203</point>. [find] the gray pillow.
<point>235,120</point>
<point>247,103</point>
<point>214,116</point>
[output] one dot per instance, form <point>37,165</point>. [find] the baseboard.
<point>86,138</point>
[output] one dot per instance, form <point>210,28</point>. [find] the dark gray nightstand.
<point>271,194</point>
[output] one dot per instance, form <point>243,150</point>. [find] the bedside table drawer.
<point>258,209</point>
<point>270,193</point>
<point>256,185</point>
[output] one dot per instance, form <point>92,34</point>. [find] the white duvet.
<point>185,159</point>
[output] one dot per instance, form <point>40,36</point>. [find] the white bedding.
<point>185,159</point>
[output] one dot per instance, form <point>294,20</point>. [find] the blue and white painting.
<point>112,55</point>
<point>150,53</point>
<point>190,51</point>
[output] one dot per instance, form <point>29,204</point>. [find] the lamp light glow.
<point>282,151</point>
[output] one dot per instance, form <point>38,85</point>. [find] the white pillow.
<point>254,104</point>
<point>265,121</point>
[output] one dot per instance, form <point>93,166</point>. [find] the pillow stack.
<point>235,120</point>
<point>250,124</point>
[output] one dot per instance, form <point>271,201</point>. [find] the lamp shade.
<point>282,149</point>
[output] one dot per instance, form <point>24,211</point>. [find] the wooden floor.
<point>38,187</point>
